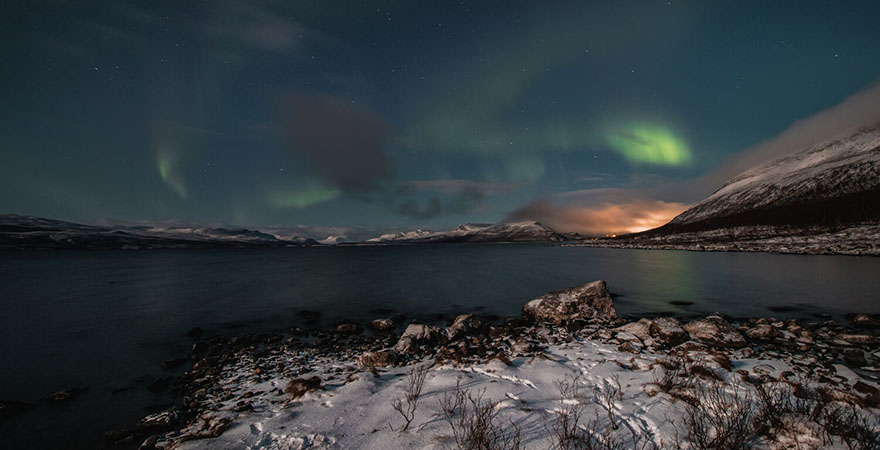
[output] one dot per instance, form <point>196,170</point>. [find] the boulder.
<point>590,301</point>
<point>464,325</point>
<point>667,330</point>
<point>300,386</point>
<point>641,329</point>
<point>762,333</point>
<point>382,324</point>
<point>417,335</point>
<point>716,331</point>
<point>865,320</point>
<point>381,358</point>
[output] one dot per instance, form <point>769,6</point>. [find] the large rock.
<point>716,331</point>
<point>641,329</point>
<point>417,335</point>
<point>590,301</point>
<point>464,325</point>
<point>667,330</point>
<point>762,332</point>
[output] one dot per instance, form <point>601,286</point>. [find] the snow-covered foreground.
<point>355,410</point>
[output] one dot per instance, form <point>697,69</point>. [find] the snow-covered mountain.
<point>504,232</point>
<point>832,184</point>
<point>18,232</point>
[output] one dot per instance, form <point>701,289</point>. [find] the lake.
<point>107,319</point>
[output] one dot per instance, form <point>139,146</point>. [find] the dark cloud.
<point>343,141</point>
<point>466,201</point>
<point>426,199</point>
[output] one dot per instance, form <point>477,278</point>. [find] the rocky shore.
<point>335,387</point>
<point>856,240</point>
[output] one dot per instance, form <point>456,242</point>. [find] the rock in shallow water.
<point>590,301</point>
<point>382,324</point>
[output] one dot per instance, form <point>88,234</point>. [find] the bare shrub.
<point>610,393</point>
<point>859,430</point>
<point>674,378</point>
<point>474,422</point>
<point>407,405</point>
<point>567,432</point>
<point>721,421</point>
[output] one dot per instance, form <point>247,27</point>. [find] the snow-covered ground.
<point>355,410</point>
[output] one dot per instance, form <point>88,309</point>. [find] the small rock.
<point>464,325</point>
<point>629,347</point>
<point>200,347</point>
<point>382,324</point>
<point>348,329</point>
<point>381,358</point>
<point>65,395</point>
<point>854,357</point>
<point>419,334</point>
<point>298,387</point>
<point>149,443</point>
<point>522,346</point>
<point>174,362</point>
<point>310,316</point>
<point>195,332</point>
<point>158,420</point>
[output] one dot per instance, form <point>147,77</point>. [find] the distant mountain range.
<point>20,232</point>
<point>503,232</point>
<point>27,232</point>
<point>825,199</point>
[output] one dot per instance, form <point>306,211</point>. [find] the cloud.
<point>452,185</point>
<point>343,141</point>
<point>630,216</point>
<point>857,110</point>
<point>465,201</point>
<point>426,199</point>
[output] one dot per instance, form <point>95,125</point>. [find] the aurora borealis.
<point>404,114</point>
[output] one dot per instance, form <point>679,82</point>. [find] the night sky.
<point>404,114</point>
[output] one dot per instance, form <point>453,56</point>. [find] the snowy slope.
<point>833,182</point>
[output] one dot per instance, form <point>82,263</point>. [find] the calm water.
<point>108,319</point>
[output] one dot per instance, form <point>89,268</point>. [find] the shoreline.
<point>272,379</point>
